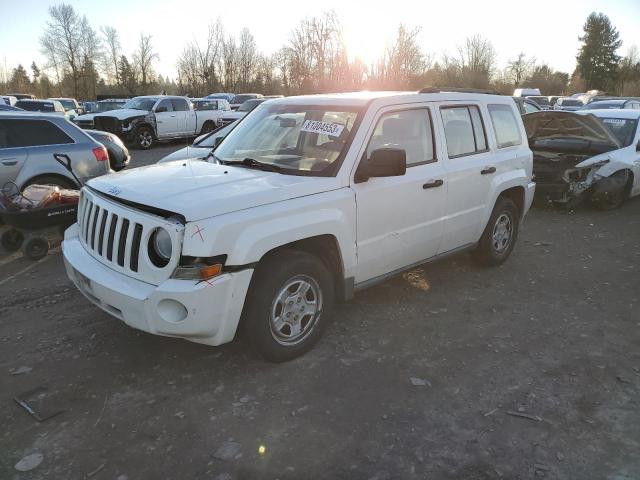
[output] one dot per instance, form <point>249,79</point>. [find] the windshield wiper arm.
<point>253,163</point>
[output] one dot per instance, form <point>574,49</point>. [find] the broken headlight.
<point>573,175</point>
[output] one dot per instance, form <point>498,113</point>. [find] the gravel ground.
<point>451,371</point>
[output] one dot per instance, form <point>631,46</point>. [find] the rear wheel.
<point>11,239</point>
<point>144,138</point>
<point>287,304</point>
<point>500,234</point>
<point>208,126</point>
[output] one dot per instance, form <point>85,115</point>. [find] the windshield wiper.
<point>253,163</point>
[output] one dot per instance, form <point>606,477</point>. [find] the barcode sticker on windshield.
<point>614,121</point>
<point>315,126</point>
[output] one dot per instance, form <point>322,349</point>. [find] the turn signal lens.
<point>210,271</point>
<point>198,271</point>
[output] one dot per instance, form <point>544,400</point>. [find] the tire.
<point>52,180</point>
<point>144,138</point>
<point>11,239</point>
<point>500,234</point>
<point>36,248</point>
<point>611,192</point>
<point>208,126</point>
<point>280,321</point>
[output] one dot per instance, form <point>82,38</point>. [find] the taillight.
<point>101,154</point>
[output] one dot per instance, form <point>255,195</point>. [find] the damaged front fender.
<point>609,192</point>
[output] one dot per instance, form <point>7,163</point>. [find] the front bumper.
<point>206,312</point>
<point>528,196</point>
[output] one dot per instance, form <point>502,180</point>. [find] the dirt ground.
<point>529,370</point>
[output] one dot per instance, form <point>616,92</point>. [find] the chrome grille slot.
<point>117,235</point>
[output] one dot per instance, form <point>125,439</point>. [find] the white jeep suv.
<point>308,200</point>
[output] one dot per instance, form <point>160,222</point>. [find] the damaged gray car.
<point>587,155</point>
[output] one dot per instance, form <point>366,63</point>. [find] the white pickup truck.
<point>144,120</point>
<point>308,200</point>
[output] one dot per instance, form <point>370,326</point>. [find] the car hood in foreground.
<point>578,133</point>
<point>195,153</point>
<point>198,190</point>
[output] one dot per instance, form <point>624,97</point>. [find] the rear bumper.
<point>205,312</point>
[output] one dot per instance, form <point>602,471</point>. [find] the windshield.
<point>140,103</point>
<point>298,139</point>
<point>107,106</point>
<point>570,102</point>
<point>242,98</point>
<point>623,129</point>
<point>68,104</point>
<point>249,105</point>
<point>543,101</point>
<point>210,140</point>
<point>32,106</point>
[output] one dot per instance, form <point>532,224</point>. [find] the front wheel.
<point>144,138</point>
<point>11,239</point>
<point>287,304</point>
<point>500,234</point>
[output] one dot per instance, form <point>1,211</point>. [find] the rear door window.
<point>505,125</point>
<point>463,130</point>
<point>31,133</point>
<point>166,103</point>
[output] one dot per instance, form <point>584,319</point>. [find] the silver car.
<point>28,142</point>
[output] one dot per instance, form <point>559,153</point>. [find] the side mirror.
<point>161,109</point>
<point>384,162</point>
<point>217,141</point>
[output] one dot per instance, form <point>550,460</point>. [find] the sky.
<point>545,29</point>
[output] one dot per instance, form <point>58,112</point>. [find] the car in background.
<point>525,92</point>
<point>568,104</point>
<point>118,153</point>
<point>222,95</point>
<point>273,96</point>
<point>588,154</point>
<point>88,106</point>
<point>21,96</point>
<point>244,109</point>
<point>28,142</point>
<point>541,100</point>
<point>9,108</point>
<point>218,106</point>
<point>613,104</point>
<point>553,99</point>
<point>526,106</point>
<point>52,107</point>
<point>86,120</point>
<point>202,146</point>
<point>9,99</point>
<point>71,107</point>
<point>239,99</point>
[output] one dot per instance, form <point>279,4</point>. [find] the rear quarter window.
<point>505,126</point>
<point>31,133</point>
<point>463,130</point>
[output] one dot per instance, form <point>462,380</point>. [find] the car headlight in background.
<point>160,247</point>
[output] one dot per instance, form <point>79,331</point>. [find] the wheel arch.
<point>68,182</point>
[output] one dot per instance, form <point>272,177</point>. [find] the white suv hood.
<point>198,190</point>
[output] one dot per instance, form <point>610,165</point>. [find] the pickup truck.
<point>305,202</point>
<point>143,121</point>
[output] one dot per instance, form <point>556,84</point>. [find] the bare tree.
<point>61,42</point>
<point>230,63</point>
<point>520,68</point>
<point>113,52</point>
<point>403,61</point>
<point>477,61</point>
<point>247,58</point>
<point>143,59</point>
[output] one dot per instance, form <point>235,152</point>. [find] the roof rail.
<point>458,90</point>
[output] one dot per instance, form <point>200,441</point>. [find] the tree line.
<point>82,62</point>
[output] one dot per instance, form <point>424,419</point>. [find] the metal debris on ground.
<point>32,402</point>
<point>21,370</point>
<point>94,472</point>
<point>419,382</point>
<point>524,415</point>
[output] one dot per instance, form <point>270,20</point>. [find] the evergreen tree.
<point>597,59</point>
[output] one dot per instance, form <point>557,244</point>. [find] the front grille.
<point>117,235</point>
<point>108,235</point>
<point>108,124</point>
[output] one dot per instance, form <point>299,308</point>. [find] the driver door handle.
<point>9,162</point>
<point>173,115</point>
<point>433,184</point>
<point>487,170</point>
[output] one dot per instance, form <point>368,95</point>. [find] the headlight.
<point>160,247</point>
